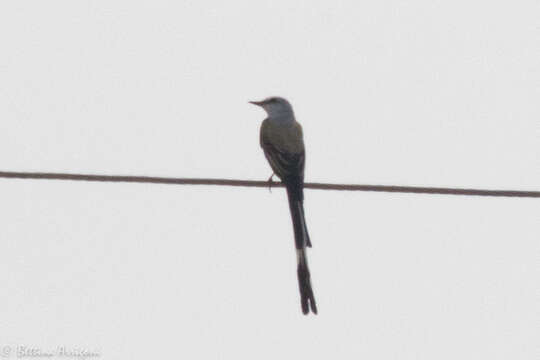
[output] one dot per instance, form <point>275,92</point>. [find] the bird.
<point>281,139</point>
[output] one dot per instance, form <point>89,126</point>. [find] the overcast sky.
<point>428,93</point>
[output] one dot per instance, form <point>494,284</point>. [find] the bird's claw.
<point>270,182</point>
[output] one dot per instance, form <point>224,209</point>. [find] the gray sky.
<point>424,93</point>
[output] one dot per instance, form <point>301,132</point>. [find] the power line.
<point>252,183</point>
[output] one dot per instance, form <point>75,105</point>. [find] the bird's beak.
<point>258,103</point>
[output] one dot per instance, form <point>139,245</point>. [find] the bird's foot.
<point>270,182</point>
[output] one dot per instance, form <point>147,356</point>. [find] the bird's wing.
<point>284,149</point>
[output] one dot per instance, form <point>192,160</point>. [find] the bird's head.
<point>275,106</point>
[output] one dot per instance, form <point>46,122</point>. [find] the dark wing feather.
<point>285,165</point>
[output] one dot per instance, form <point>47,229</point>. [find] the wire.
<point>252,183</point>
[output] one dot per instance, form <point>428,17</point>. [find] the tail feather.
<point>308,240</point>
<point>301,237</point>
<point>307,299</point>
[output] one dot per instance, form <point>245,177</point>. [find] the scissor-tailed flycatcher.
<point>282,141</point>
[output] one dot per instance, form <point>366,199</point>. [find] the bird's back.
<point>284,136</point>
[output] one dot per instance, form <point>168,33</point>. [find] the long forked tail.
<point>301,237</point>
